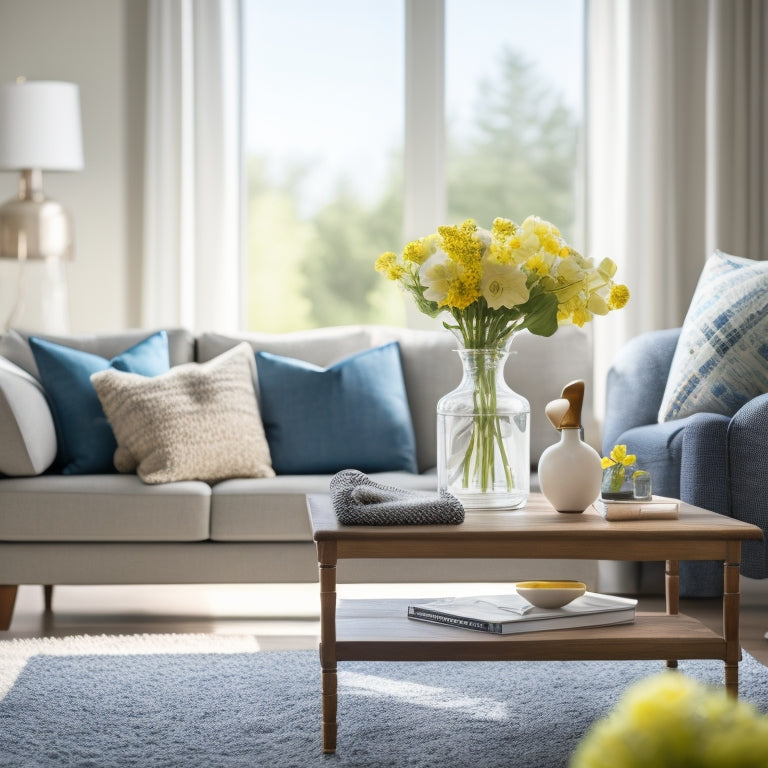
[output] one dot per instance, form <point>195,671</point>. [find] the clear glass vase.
<point>483,436</point>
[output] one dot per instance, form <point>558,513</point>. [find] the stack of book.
<point>509,614</point>
<point>655,508</point>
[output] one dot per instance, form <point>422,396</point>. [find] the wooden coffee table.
<point>379,630</point>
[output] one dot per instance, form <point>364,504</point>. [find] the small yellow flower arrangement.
<point>617,481</point>
<point>672,721</point>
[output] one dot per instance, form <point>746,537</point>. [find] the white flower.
<point>503,285</point>
<point>597,304</point>
<point>436,274</point>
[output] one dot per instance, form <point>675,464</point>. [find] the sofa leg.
<point>7,601</point>
<point>48,597</point>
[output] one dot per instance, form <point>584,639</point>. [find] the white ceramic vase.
<point>570,473</point>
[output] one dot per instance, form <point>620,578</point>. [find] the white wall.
<point>100,45</point>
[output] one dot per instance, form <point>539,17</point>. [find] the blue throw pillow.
<point>86,443</point>
<point>353,415</point>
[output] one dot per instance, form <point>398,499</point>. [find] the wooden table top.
<point>537,521</point>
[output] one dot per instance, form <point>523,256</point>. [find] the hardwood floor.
<point>280,616</point>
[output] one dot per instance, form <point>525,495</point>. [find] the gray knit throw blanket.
<point>357,500</point>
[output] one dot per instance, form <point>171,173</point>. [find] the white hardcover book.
<point>655,508</point>
<point>509,614</point>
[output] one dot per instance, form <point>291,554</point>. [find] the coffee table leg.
<point>327,564</point>
<point>672,588</point>
<point>731,600</point>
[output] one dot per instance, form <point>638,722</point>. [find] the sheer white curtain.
<point>677,150</point>
<point>191,274</point>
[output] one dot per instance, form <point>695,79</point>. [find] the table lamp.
<point>39,130</point>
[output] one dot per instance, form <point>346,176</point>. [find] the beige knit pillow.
<point>199,421</point>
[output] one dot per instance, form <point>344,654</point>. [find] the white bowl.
<point>550,594</point>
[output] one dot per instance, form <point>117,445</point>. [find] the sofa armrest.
<point>748,485</point>
<point>27,433</point>
<point>635,383</point>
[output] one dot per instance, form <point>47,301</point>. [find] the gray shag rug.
<point>229,705</point>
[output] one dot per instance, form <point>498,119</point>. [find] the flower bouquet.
<point>494,283</point>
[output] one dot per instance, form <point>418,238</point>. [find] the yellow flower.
<point>461,293</point>
<point>503,285</point>
<point>387,265</point>
<point>580,316</point>
<point>619,297</point>
<point>503,228</point>
<point>619,455</point>
<point>538,265</point>
<point>460,243</point>
<point>670,720</point>
<point>416,252</point>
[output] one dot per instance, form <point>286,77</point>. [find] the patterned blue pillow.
<point>721,359</point>
<point>86,443</point>
<point>353,415</point>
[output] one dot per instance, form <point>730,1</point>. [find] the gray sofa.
<point>115,529</point>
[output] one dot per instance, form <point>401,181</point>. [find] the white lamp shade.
<point>40,126</point>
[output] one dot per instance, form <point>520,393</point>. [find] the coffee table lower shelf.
<point>379,630</point>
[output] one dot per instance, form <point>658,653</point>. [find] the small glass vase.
<point>483,436</point>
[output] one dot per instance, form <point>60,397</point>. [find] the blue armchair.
<point>710,460</point>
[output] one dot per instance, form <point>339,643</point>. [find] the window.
<point>514,112</point>
<point>325,126</point>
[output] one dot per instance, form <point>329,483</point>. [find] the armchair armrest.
<point>636,381</point>
<point>748,479</point>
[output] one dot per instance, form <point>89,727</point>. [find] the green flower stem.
<point>479,459</point>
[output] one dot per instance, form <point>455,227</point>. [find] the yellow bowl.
<point>550,594</point>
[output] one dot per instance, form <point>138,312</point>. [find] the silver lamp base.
<point>33,226</point>
<point>37,234</point>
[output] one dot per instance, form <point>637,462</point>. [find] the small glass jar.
<point>625,483</point>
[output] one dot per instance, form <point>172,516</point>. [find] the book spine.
<point>454,621</point>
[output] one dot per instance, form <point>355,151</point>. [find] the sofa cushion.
<point>198,421</point>
<point>28,444</point>
<point>102,508</point>
<point>85,441</point>
<point>275,509</point>
<point>721,358</point>
<point>353,414</point>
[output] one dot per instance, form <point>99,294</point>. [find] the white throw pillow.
<point>199,421</point>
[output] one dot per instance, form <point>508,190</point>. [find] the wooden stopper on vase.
<point>574,394</point>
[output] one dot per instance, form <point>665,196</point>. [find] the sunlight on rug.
<point>423,696</point>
